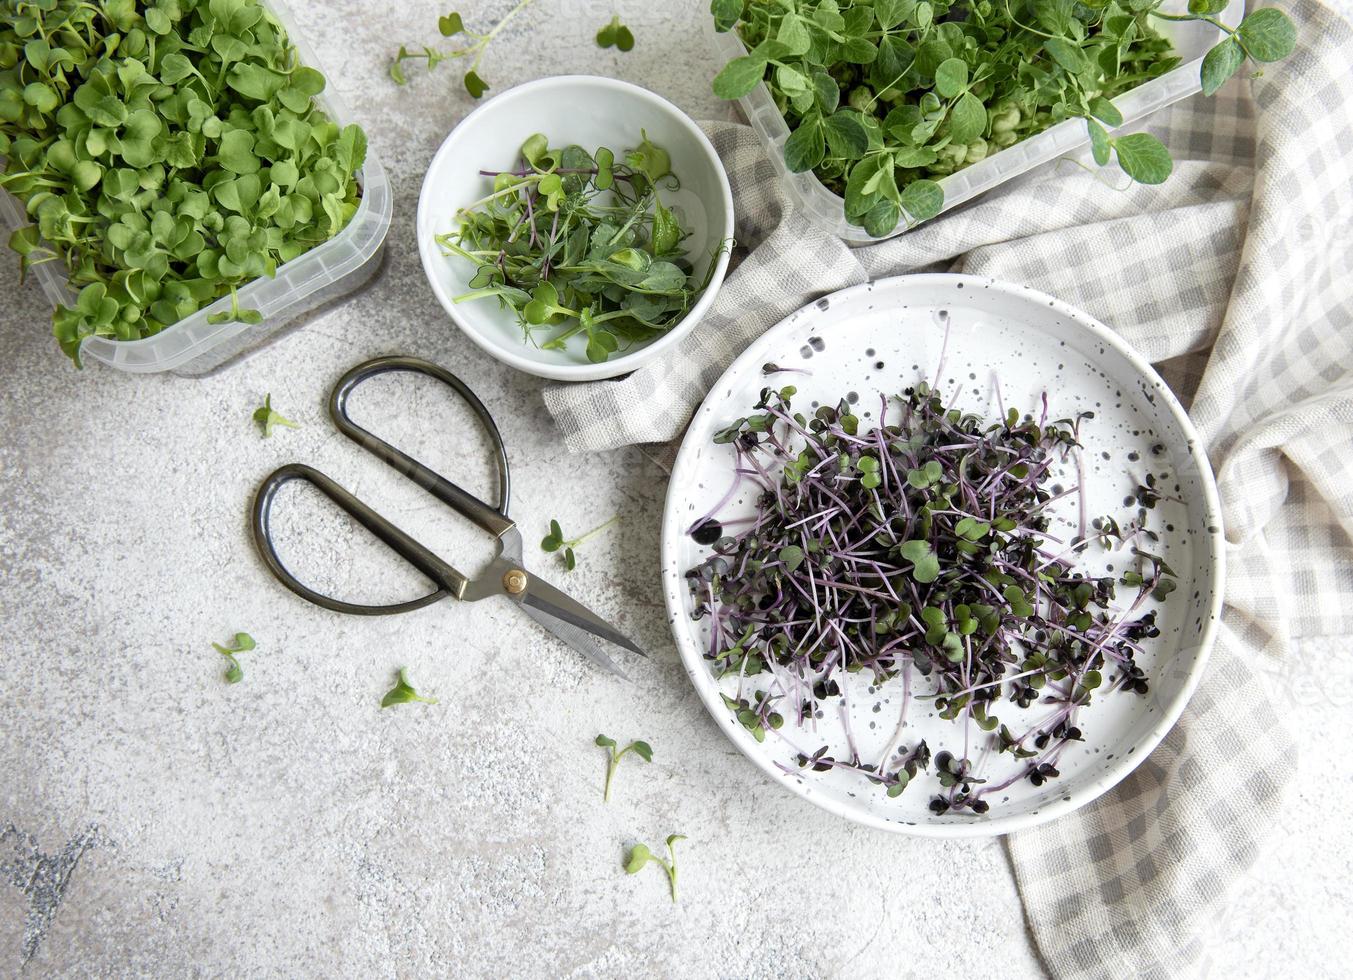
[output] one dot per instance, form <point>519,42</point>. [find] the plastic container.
<point>1191,41</point>
<point>192,346</point>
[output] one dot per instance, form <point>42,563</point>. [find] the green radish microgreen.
<point>555,540</point>
<point>242,643</point>
<point>640,856</point>
<point>404,693</point>
<point>268,419</point>
<point>452,25</point>
<point>614,754</point>
<point>615,34</point>
<point>166,154</point>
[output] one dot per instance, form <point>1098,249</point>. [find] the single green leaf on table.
<point>615,34</point>
<point>242,643</point>
<point>404,693</point>
<point>450,24</point>
<point>269,420</point>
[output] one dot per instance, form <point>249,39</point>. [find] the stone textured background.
<point>154,820</point>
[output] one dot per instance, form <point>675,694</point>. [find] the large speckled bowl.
<point>1005,343</point>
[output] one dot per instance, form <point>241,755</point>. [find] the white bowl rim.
<point>1116,771</point>
<point>612,367</point>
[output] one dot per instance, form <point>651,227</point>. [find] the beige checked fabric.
<point>1235,278</point>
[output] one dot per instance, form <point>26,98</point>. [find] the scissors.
<point>560,614</point>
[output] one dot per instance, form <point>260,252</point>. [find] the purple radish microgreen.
<point>919,550</point>
<point>404,693</point>
<point>640,856</point>
<point>613,756</point>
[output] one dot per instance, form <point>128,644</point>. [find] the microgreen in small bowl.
<point>550,318</point>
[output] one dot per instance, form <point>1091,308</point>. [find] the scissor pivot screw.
<point>515,582</point>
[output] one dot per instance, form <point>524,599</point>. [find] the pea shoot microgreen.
<point>615,34</point>
<point>581,245</point>
<point>268,419</point>
<point>242,643</point>
<point>403,693</point>
<point>555,540</point>
<point>920,550</point>
<point>884,96</point>
<point>613,756</point>
<point>640,856</point>
<point>452,25</point>
<point>167,154</point>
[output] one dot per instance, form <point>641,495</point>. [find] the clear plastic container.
<point>337,267</point>
<point>1191,41</point>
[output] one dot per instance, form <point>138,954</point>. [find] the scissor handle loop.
<point>451,582</point>
<point>494,520</point>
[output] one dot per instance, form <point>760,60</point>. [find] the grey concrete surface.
<point>156,821</point>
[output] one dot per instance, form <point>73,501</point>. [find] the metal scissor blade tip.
<point>575,638</point>
<point>545,597</point>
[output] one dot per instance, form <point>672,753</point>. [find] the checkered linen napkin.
<point>1235,278</point>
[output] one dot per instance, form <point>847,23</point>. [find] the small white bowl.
<point>590,112</point>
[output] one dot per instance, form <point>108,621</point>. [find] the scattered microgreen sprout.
<point>640,856</point>
<point>268,419</point>
<point>242,643</point>
<point>919,550</point>
<point>581,244</point>
<point>615,34</point>
<point>555,540</point>
<point>451,25</point>
<point>884,96</point>
<point>403,693</point>
<point>166,154</point>
<point>613,756</point>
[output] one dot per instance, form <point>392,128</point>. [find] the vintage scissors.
<point>559,613</point>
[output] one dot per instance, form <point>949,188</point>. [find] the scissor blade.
<point>544,596</point>
<point>575,638</point>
